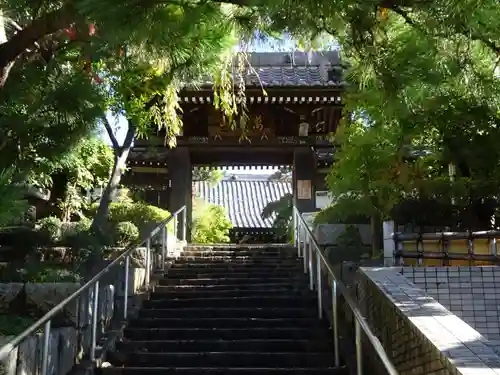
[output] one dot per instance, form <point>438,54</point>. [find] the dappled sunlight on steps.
<point>228,310</point>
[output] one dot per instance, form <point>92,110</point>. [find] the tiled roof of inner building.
<point>243,200</point>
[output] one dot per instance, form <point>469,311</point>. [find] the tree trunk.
<point>100,219</point>
<point>47,24</point>
<point>121,154</point>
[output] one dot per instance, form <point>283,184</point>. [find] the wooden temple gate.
<point>291,123</point>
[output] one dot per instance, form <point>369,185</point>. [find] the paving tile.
<point>467,293</point>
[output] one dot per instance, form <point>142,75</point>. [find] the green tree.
<point>145,92</point>
<point>210,223</point>
<point>280,211</point>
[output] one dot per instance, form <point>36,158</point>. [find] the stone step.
<point>228,287</point>
<point>209,258</point>
<point>217,293</point>
<point>237,312</point>
<point>216,262</point>
<point>240,253</point>
<point>227,310</point>
<point>266,346</point>
<point>259,301</point>
<point>212,359</point>
<point>228,280</point>
<point>185,322</point>
<point>231,267</point>
<point>180,273</point>
<point>296,333</point>
<point>220,371</point>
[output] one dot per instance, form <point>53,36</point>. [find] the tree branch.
<point>25,38</point>
<point>474,36</point>
<point>129,138</point>
<point>109,130</point>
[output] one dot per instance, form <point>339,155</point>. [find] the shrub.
<point>13,324</point>
<point>49,274</point>
<point>142,215</point>
<point>38,273</point>
<point>51,228</point>
<point>78,236</point>
<point>210,223</point>
<point>75,229</point>
<point>126,232</point>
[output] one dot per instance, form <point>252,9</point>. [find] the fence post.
<point>359,348</point>
<point>175,228</point>
<point>319,284</point>
<point>95,311</point>
<point>125,289</point>
<point>310,256</point>
<point>45,349</point>
<point>296,241</point>
<point>335,323</point>
<point>184,224</point>
<point>148,263</point>
<point>389,244</point>
<point>163,246</point>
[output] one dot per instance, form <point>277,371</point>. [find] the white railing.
<point>92,287</point>
<point>314,263</point>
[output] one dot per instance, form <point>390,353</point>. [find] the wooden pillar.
<point>179,168</point>
<point>304,172</point>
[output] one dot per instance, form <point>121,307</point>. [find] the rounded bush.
<point>126,232</point>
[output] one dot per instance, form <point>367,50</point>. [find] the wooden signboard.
<point>304,189</point>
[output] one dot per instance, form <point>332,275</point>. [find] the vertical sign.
<point>304,189</point>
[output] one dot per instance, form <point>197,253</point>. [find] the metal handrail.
<point>94,283</point>
<point>308,242</point>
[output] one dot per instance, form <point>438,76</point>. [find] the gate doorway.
<point>248,194</point>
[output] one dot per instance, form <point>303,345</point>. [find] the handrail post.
<point>93,333</point>
<point>335,323</point>
<point>45,349</point>
<point>299,241</point>
<point>318,284</point>
<point>148,263</point>
<point>175,227</point>
<point>310,256</point>
<point>359,349</point>
<point>305,254</point>
<point>125,288</point>
<point>184,224</point>
<point>296,241</point>
<point>163,247</point>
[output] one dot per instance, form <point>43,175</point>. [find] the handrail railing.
<point>45,321</point>
<point>306,244</point>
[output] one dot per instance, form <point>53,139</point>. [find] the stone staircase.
<point>228,310</point>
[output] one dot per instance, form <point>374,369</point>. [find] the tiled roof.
<point>243,200</point>
<point>290,69</point>
<point>290,76</point>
